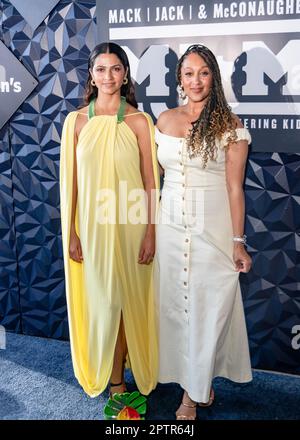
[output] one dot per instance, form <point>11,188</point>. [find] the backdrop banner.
<point>257,44</point>
<point>16,83</point>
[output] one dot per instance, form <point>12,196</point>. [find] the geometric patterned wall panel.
<point>56,54</point>
<point>9,288</point>
<point>272,288</point>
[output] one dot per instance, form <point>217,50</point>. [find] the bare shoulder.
<point>135,117</point>
<point>166,117</point>
<point>130,110</point>
<point>238,151</point>
<point>238,123</point>
<point>136,120</point>
<point>82,112</point>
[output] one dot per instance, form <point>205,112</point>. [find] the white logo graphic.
<point>8,85</point>
<point>260,62</point>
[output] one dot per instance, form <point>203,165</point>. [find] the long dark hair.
<point>127,90</point>
<point>216,117</point>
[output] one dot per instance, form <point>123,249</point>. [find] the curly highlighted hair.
<point>216,117</point>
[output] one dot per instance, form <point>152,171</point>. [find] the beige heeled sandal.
<point>183,416</point>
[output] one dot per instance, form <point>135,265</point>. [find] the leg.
<point>117,375</point>
<point>187,408</point>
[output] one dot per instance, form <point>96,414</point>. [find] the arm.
<point>75,189</point>
<point>75,250</point>
<point>146,166</point>
<point>236,157</point>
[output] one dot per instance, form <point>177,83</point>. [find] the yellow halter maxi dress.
<point>109,281</point>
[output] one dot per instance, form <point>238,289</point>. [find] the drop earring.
<point>93,83</point>
<point>181,92</point>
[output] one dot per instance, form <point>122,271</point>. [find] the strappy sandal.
<point>210,401</point>
<point>183,416</point>
<point>111,385</point>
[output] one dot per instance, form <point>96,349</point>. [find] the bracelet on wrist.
<point>240,239</point>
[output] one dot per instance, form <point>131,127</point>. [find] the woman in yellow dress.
<point>107,173</point>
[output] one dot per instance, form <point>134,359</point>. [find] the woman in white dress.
<point>202,149</point>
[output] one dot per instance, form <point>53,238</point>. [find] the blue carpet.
<point>37,382</point>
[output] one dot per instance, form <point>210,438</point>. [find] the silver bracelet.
<point>241,239</point>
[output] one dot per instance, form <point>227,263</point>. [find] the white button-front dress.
<point>201,317</point>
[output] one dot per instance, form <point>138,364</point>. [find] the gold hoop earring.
<point>125,81</point>
<point>93,82</point>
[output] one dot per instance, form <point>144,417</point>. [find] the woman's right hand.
<point>75,250</point>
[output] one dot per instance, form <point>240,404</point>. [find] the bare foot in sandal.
<point>187,409</point>
<point>115,388</point>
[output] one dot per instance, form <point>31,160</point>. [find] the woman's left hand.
<point>147,250</point>
<point>241,258</point>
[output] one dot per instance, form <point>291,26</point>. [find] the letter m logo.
<point>262,61</point>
